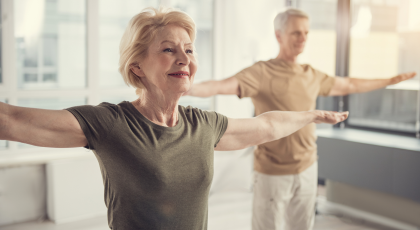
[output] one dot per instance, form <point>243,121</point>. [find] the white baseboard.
<point>328,207</point>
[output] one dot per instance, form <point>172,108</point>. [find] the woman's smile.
<point>180,74</point>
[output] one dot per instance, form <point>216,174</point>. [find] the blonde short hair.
<point>140,33</point>
<point>280,22</point>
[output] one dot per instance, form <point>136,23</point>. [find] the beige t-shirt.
<point>278,85</point>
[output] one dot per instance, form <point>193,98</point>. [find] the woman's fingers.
<point>331,117</point>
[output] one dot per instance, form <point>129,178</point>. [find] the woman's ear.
<point>135,68</point>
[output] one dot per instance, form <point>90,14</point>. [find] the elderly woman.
<point>156,157</point>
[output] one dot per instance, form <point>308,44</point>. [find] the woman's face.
<point>170,65</point>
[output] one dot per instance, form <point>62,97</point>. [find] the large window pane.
<point>114,18</point>
<point>384,43</point>
<point>50,43</point>
<point>49,103</point>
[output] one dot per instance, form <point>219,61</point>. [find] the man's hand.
<point>402,77</point>
<point>329,117</point>
<point>346,85</point>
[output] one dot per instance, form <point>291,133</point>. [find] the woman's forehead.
<point>173,34</point>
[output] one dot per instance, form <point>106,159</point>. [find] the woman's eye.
<point>189,51</point>
<point>167,50</point>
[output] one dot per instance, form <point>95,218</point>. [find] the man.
<point>285,182</point>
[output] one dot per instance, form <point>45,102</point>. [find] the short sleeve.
<point>96,121</point>
<point>249,81</point>
<point>326,82</point>
<point>219,124</point>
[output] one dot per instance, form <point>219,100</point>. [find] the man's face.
<point>292,40</point>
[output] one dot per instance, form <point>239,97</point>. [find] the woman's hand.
<point>270,126</point>
<point>40,127</point>
<point>329,117</point>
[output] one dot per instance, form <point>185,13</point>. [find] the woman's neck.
<point>158,108</point>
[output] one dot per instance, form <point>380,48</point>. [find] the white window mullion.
<point>92,51</point>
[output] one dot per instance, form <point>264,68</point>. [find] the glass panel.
<point>49,103</point>
<point>384,43</point>
<point>50,43</point>
<point>114,16</point>
<point>3,143</point>
<point>201,11</point>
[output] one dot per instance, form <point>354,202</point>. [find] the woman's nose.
<point>183,59</point>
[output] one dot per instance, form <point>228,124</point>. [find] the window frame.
<point>341,103</point>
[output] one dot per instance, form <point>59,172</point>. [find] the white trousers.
<point>285,202</point>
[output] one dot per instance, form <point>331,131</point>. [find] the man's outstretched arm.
<point>345,85</point>
<point>228,86</point>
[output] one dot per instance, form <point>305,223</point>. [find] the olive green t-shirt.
<point>278,85</point>
<point>155,177</point>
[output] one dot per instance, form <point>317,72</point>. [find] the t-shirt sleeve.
<point>96,121</point>
<point>249,81</point>
<point>326,82</point>
<point>219,124</point>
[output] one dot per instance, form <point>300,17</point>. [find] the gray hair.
<point>280,22</point>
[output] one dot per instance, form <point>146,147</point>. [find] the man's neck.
<point>287,58</point>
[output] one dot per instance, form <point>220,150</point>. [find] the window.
<point>384,43</point>
<point>50,38</point>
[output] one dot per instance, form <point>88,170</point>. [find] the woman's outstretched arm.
<point>270,126</point>
<point>40,127</point>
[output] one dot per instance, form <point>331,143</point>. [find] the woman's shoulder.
<point>193,114</point>
<point>191,111</point>
<point>102,110</point>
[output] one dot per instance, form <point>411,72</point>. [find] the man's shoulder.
<point>307,66</point>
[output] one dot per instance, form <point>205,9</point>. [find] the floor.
<point>227,210</point>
